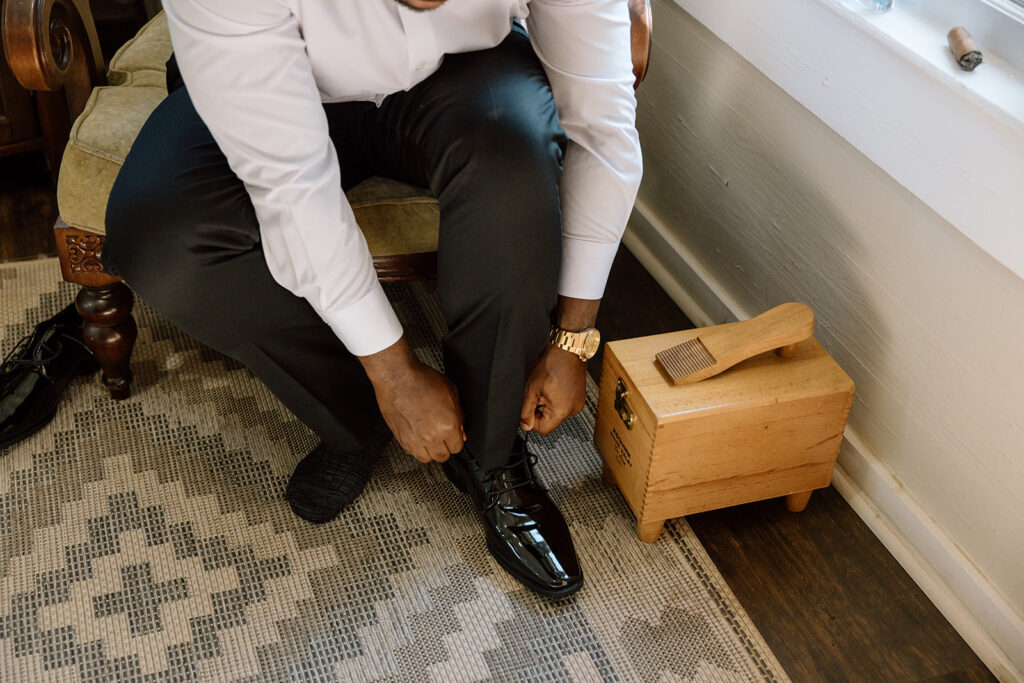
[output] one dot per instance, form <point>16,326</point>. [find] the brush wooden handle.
<point>779,328</point>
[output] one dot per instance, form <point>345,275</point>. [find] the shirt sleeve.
<point>584,46</point>
<point>245,66</point>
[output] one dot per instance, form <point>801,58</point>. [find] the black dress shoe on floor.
<point>36,371</point>
<point>327,480</point>
<point>525,531</point>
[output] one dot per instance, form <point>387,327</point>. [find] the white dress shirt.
<point>258,70</point>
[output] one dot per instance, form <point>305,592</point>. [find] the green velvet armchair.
<point>51,45</point>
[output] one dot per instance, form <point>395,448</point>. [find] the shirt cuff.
<point>585,267</point>
<point>367,326</point>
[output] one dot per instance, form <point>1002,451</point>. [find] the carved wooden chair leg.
<point>104,302</point>
<point>109,331</point>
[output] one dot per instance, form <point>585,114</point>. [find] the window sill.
<point>888,84</point>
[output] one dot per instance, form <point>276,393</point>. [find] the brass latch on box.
<point>621,407</point>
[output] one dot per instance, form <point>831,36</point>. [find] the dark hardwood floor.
<point>28,207</point>
<point>827,597</point>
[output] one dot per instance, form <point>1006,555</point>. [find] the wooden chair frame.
<point>52,48</point>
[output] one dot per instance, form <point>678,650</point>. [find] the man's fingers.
<point>439,454</point>
<point>453,446</point>
<point>528,411</point>
<point>549,421</point>
<point>540,424</point>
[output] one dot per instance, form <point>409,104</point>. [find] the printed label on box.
<point>621,452</point>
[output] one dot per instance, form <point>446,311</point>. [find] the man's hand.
<point>557,386</point>
<point>420,405</point>
<point>555,390</point>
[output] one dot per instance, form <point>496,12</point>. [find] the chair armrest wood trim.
<point>406,267</point>
<point>80,253</point>
<point>641,23</point>
<point>52,44</point>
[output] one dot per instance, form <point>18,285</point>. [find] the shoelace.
<point>36,360</point>
<point>526,460</point>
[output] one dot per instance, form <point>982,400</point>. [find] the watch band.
<point>583,343</point>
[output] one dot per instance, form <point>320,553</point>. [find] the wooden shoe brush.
<point>719,348</point>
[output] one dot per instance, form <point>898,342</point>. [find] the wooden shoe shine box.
<point>767,427</point>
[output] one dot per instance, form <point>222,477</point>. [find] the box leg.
<point>606,474</point>
<point>648,532</point>
<point>788,351</point>
<point>796,502</point>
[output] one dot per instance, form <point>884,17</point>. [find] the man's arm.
<point>556,388</point>
<point>585,48</point>
<point>586,52</point>
<point>245,65</point>
<point>420,405</point>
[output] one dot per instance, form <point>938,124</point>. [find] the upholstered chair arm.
<point>52,44</point>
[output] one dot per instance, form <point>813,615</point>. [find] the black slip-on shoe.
<point>36,371</point>
<point>328,479</point>
<point>525,531</point>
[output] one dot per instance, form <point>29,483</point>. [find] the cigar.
<point>964,48</point>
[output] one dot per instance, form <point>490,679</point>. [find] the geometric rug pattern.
<point>148,540</point>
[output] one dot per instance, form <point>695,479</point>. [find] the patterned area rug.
<point>149,540</point>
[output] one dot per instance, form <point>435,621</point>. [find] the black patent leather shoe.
<point>525,531</point>
<point>35,372</point>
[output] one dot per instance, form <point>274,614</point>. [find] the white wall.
<point>748,201</point>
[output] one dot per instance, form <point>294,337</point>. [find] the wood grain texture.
<point>779,328</point>
<point>829,599</point>
<point>104,302</point>
<point>52,44</point>
<point>641,38</point>
<point>28,208</point>
<point>797,502</point>
<point>406,267</point>
<point>109,330</point>
<point>768,428</point>
<point>17,113</point>
<point>52,48</point>
<point>80,253</point>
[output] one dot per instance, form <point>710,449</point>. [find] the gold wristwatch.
<point>583,343</point>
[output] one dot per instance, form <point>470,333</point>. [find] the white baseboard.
<point>989,624</point>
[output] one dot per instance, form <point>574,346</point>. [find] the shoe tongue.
<point>48,334</point>
<point>515,472</point>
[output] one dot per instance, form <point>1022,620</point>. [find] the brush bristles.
<point>685,359</point>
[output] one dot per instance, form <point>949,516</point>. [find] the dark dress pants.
<point>482,133</point>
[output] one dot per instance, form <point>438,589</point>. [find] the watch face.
<point>591,343</point>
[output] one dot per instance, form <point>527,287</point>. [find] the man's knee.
<point>506,163</point>
<point>162,225</point>
<point>516,145</point>
<point>135,216</point>
<point>174,199</point>
<point>503,209</point>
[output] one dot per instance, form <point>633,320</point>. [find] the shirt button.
<point>421,66</point>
